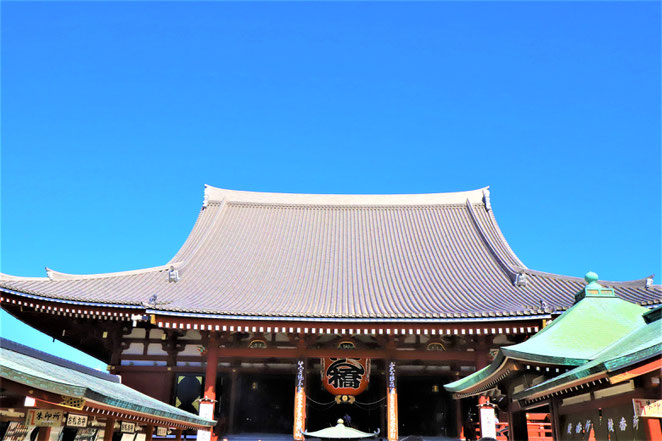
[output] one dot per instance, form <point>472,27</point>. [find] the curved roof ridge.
<point>520,265</point>
<point>503,263</point>
<point>202,230</point>
<point>625,283</point>
<point>12,278</point>
<point>57,275</point>
<point>214,194</point>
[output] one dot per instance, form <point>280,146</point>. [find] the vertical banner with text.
<point>391,405</point>
<point>206,411</point>
<point>300,402</point>
<point>487,421</point>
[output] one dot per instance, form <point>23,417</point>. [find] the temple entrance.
<point>367,413</point>
<point>254,402</point>
<point>264,403</point>
<point>425,408</point>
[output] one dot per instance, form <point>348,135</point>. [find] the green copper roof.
<point>483,377</point>
<point>581,332</point>
<point>638,346</point>
<point>33,368</point>
<point>597,320</point>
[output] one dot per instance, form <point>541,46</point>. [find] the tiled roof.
<point>37,369</point>
<point>430,256</point>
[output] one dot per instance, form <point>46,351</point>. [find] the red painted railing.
<point>539,428</point>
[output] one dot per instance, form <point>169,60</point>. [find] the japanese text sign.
<point>44,417</point>
<point>647,408</point>
<point>74,420</point>
<point>127,427</point>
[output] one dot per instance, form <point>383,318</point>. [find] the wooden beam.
<point>636,372</point>
<point>44,433</point>
<point>294,353</point>
<point>109,429</point>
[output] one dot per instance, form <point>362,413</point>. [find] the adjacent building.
<point>595,369</point>
<point>61,400</point>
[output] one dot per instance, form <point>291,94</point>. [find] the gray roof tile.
<point>343,256</point>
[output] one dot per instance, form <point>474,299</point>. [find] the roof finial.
<point>593,288</point>
<point>486,198</point>
<point>591,277</point>
<point>205,201</point>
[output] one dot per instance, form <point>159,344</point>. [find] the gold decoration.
<point>346,344</point>
<point>72,402</point>
<point>346,399</point>
<point>257,344</point>
<point>435,346</point>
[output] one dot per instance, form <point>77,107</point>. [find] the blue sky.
<point>114,116</point>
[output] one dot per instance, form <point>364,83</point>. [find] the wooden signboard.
<point>74,420</point>
<point>161,431</point>
<point>647,408</point>
<point>127,427</point>
<point>44,417</point>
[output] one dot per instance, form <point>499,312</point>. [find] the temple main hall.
<point>283,313</point>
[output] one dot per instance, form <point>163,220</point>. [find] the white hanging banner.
<point>487,422</point>
<point>206,411</point>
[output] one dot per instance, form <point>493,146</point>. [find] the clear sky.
<point>114,116</point>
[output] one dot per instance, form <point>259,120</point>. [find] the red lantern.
<point>345,376</point>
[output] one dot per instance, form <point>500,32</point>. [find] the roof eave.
<point>324,319</point>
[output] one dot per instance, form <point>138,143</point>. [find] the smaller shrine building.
<point>64,401</point>
<point>595,369</point>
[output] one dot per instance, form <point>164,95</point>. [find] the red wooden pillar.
<point>44,433</point>
<point>212,367</point>
<point>149,431</point>
<point>482,352</point>
<point>209,397</point>
<point>108,431</point>
<point>653,430</point>
<point>178,435</point>
<point>459,420</point>
<point>555,417</point>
